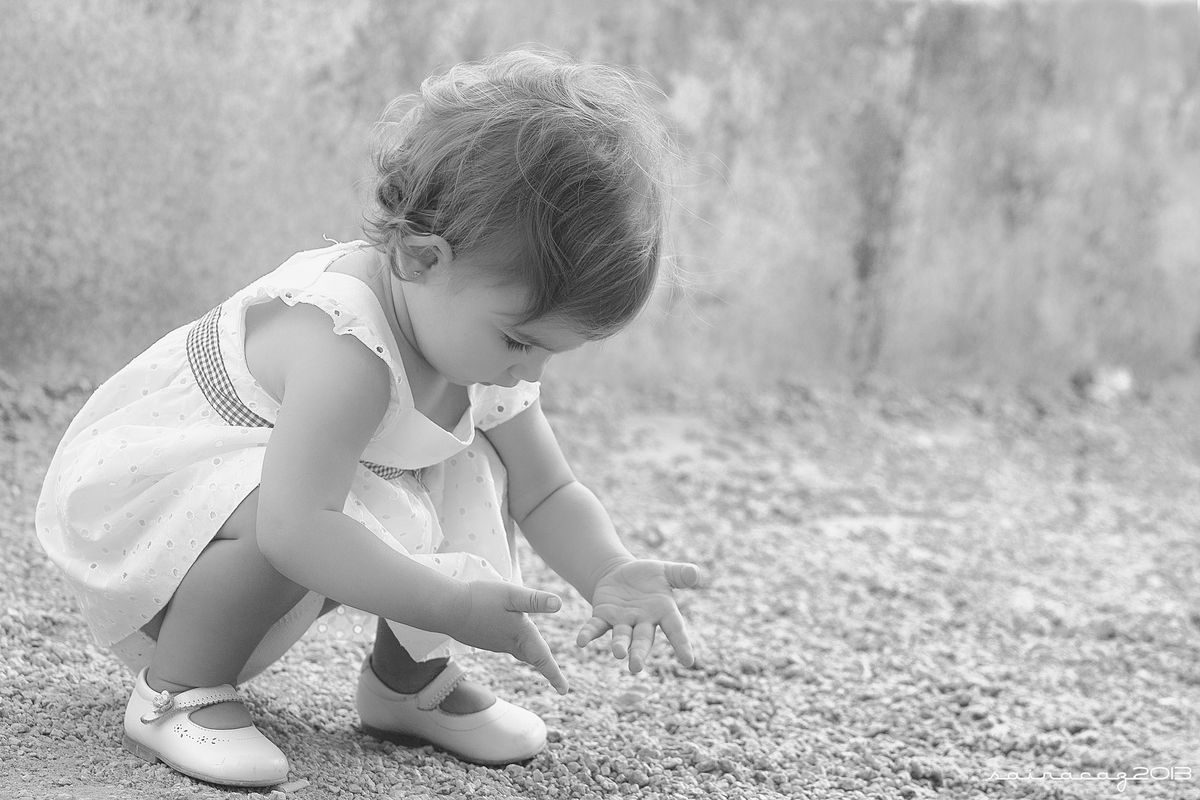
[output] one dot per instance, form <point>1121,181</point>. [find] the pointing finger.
<point>533,650</point>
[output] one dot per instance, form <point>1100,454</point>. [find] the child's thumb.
<point>683,576</point>
<point>533,601</point>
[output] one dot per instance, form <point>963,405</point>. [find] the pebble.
<point>794,672</point>
<point>750,666</point>
<point>729,682</point>
<point>630,700</point>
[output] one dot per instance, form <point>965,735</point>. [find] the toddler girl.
<point>362,426</point>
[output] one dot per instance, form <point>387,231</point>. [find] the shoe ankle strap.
<point>165,702</point>
<point>440,687</point>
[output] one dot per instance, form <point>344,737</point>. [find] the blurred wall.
<point>926,191</point>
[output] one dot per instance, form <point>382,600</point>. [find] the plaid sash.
<point>204,357</point>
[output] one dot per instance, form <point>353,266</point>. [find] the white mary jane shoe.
<point>500,734</point>
<point>158,727</point>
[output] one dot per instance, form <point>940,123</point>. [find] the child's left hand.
<point>634,599</point>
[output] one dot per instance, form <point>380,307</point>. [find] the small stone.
<point>554,735</point>
<point>1077,725</point>
<point>707,765</point>
<point>729,682</point>
<point>629,700</point>
<point>294,786</point>
<point>750,666</point>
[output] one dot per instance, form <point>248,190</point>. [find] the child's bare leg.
<point>400,673</point>
<point>223,608</point>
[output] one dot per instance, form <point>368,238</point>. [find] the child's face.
<point>466,328</point>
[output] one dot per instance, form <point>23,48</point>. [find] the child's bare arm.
<point>570,529</point>
<point>561,518</point>
<point>334,395</point>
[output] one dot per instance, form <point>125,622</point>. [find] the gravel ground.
<point>908,595</point>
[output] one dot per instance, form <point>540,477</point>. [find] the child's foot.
<point>221,717</point>
<point>476,726</point>
<point>161,726</point>
<point>467,696</point>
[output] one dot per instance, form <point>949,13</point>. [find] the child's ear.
<point>428,248</point>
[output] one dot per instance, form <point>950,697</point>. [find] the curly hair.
<point>562,165</point>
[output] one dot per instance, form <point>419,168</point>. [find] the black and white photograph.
<point>571,400</point>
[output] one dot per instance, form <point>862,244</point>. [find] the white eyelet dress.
<point>166,449</point>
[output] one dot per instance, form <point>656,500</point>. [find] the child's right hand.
<point>495,617</point>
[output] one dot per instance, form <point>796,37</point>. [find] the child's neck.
<point>430,390</point>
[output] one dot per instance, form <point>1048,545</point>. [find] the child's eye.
<point>513,344</point>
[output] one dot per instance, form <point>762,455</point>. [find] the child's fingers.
<point>532,601</point>
<point>592,630</point>
<point>672,625</point>
<point>621,633</point>
<point>683,576</point>
<point>640,645</point>
<point>533,650</point>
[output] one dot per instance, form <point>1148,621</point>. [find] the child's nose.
<point>530,369</point>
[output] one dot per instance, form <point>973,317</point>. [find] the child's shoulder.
<point>282,339</point>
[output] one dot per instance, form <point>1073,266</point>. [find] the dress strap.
<point>204,357</point>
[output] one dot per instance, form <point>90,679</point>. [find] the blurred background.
<point>998,192</point>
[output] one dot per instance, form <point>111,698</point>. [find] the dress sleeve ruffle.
<point>496,404</point>
<point>348,320</point>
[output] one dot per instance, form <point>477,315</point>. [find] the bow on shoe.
<point>163,702</point>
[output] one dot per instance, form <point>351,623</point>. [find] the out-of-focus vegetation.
<point>925,191</point>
